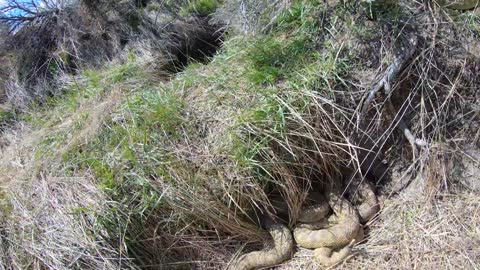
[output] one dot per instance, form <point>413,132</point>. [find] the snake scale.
<point>366,201</point>
<point>281,250</point>
<point>331,236</point>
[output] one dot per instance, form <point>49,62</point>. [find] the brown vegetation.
<point>126,170</point>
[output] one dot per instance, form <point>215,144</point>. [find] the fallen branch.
<point>390,73</point>
<point>385,83</point>
<point>403,127</point>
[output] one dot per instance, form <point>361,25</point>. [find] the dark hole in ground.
<point>195,39</point>
<point>142,3</point>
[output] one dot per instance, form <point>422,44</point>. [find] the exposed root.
<point>414,141</point>
<point>390,73</point>
<point>385,83</point>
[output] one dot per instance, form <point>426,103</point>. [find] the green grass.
<point>153,7</point>
<point>200,7</point>
<point>255,90</point>
<point>292,45</point>
<point>470,21</point>
<point>196,153</point>
<point>382,9</point>
<point>7,117</point>
<point>187,161</point>
<point>201,150</point>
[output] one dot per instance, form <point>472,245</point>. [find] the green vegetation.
<point>156,154</point>
<point>186,160</point>
<point>200,7</point>
<point>153,7</point>
<point>148,155</point>
<point>470,22</point>
<point>378,9</point>
<point>6,116</point>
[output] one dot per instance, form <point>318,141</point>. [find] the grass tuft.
<point>200,7</point>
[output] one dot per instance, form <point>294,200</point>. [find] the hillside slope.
<point>146,161</point>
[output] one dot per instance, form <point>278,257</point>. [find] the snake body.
<point>329,257</point>
<point>331,236</point>
<point>281,250</point>
<point>338,235</point>
<point>314,213</point>
<point>365,201</point>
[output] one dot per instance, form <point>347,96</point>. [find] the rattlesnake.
<point>344,230</point>
<point>365,201</point>
<point>281,250</point>
<point>366,205</point>
<point>328,257</point>
<point>331,236</point>
<point>314,213</point>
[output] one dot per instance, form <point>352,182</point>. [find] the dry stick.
<point>384,83</point>
<point>389,74</point>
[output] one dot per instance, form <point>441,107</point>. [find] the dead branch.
<point>385,83</point>
<point>17,13</point>
<point>390,73</point>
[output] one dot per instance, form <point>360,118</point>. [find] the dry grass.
<point>52,224</point>
<point>50,217</point>
<point>47,221</point>
<point>176,174</point>
<point>443,234</point>
<point>412,234</point>
<point>430,223</point>
<point>251,17</point>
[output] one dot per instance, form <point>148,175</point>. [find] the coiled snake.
<point>281,250</point>
<point>331,236</point>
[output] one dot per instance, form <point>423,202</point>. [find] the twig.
<point>385,83</point>
<point>404,128</point>
<point>389,74</point>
